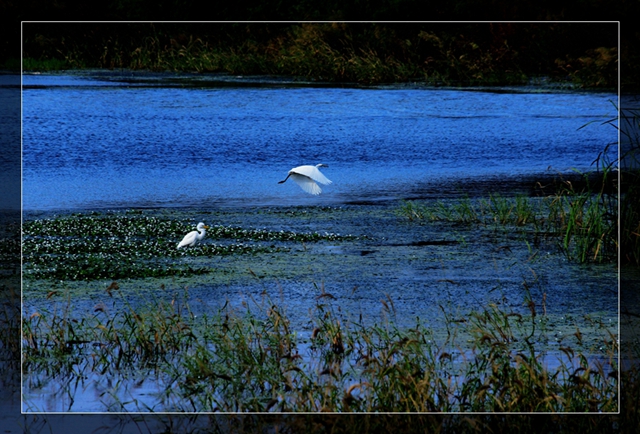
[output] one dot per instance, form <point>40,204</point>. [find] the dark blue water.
<point>98,143</point>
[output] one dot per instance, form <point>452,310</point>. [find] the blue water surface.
<point>92,142</point>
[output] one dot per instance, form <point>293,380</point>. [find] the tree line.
<point>365,52</point>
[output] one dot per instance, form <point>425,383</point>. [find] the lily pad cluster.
<point>120,245</point>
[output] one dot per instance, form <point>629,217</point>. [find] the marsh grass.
<point>589,223</point>
<point>459,211</point>
<point>250,359</point>
<point>583,221</point>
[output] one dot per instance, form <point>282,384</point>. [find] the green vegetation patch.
<point>583,223</point>
<point>118,245</point>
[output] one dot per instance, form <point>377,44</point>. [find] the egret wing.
<point>312,172</point>
<point>188,239</point>
<point>319,177</point>
<point>306,183</point>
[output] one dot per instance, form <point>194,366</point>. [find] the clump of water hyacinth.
<point>117,245</point>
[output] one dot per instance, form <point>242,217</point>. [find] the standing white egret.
<point>194,237</point>
<point>307,178</point>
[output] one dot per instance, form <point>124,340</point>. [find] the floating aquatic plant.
<point>121,245</point>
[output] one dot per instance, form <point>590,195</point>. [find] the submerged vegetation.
<point>255,361</point>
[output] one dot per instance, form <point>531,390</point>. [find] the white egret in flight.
<point>307,178</point>
<point>194,237</point>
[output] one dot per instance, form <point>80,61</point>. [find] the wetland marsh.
<point>301,303</point>
<point>386,271</point>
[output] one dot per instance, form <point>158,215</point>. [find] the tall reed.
<point>253,360</point>
<point>583,221</point>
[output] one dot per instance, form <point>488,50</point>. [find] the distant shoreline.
<point>456,54</point>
